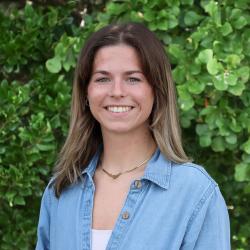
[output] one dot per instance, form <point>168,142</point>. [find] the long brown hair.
<point>84,135</point>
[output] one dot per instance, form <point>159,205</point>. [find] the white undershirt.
<point>100,239</point>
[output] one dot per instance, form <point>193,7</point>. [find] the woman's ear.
<point>86,101</point>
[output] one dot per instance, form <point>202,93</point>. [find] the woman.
<point>123,180</point>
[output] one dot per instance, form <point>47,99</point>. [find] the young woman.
<point>123,180</point>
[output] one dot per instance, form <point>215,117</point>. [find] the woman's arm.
<point>209,228</point>
<point>43,229</point>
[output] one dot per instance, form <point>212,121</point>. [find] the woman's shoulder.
<point>193,170</point>
<point>49,191</point>
<point>72,188</point>
<point>192,176</point>
<point>194,185</point>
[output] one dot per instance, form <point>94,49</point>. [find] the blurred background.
<point>208,44</point>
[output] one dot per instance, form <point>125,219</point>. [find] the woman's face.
<point>119,95</point>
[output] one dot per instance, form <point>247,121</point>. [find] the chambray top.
<point>172,206</point>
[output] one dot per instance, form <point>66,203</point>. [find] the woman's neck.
<point>122,152</point>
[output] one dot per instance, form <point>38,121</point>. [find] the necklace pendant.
<point>115,176</point>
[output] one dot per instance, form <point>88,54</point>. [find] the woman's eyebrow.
<point>133,72</point>
<point>129,72</point>
<point>104,72</point>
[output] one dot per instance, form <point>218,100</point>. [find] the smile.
<point>119,109</point>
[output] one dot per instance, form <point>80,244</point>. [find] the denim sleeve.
<point>209,228</point>
<point>43,229</point>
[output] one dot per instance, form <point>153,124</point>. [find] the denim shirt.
<point>172,206</point>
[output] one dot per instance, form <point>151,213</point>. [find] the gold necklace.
<point>115,176</point>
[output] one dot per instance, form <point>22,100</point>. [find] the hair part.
<point>84,135</point>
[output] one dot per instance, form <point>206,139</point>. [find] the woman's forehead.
<point>116,58</point>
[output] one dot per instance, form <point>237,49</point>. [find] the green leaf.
<point>219,82</point>
<point>179,74</point>
<point>10,195</point>
<point>149,15</point>
<point>152,26</point>
<point>226,29</point>
<point>231,139</point>
<point>230,78</point>
<point>194,68</point>
<point>176,51</point>
<point>240,22</point>
<point>136,16</point>
<point>205,140</point>
<point>28,10</point>
<point>45,147</point>
<point>195,87</point>
<point>223,128</point>
<point>54,65</point>
<point>212,66</point>
<point>235,126</point>
<point>186,104</point>
<point>162,14</point>
<point>69,60</point>
<point>26,192</point>
<point>187,117</point>
<point>172,21</point>
<point>52,17</point>
<point>237,89</point>
<point>205,55</point>
<point>19,200</point>
<point>55,121</point>
<point>213,9</point>
<point>185,99</point>
<point>163,25</point>
<point>242,172</point>
<point>115,8</point>
<point>246,146</point>
<point>192,18</point>
<point>43,170</point>
<point>202,129</point>
<point>243,73</point>
<point>60,50</point>
<point>247,188</point>
<point>246,158</point>
<point>218,144</point>
<point>223,81</point>
<point>233,60</point>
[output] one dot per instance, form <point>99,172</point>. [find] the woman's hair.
<point>84,135</point>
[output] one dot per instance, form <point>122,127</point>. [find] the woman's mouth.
<point>119,109</point>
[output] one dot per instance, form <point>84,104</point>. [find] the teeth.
<point>119,109</point>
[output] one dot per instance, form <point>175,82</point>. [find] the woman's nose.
<point>117,88</point>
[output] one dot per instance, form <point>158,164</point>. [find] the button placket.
<point>127,212</point>
<point>88,197</point>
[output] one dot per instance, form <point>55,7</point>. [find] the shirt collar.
<point>158,169</point>
<point>90,169</point>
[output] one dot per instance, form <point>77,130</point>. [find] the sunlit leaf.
<point>54,65</point>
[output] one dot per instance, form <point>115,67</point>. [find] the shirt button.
<point>138,183</point>
<point>125,215</point>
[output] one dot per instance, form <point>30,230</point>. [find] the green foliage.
<point>33,120</point>
<point>208,46</point>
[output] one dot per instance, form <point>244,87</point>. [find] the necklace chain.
<point>115,176</point>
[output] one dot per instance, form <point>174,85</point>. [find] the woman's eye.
<point>103,79</point>
<point>134,80</point>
